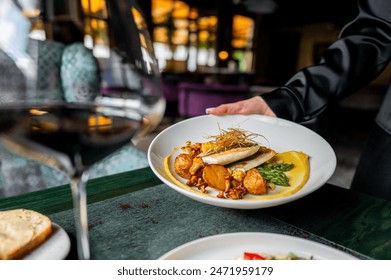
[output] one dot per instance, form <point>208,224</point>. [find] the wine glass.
<point>87,83</point>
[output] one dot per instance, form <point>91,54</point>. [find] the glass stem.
<point>78,187</point>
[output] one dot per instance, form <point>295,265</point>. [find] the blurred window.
<point>185,35</point>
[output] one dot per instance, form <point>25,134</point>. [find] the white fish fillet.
<point>263,155</point>
<point>230,156</point>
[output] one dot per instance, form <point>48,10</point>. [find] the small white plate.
<point>281,135</point>
<point>56,247</point>
<point>231,246</point>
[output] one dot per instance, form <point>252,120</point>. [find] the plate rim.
<point>40,252</point>
<point>241,204</point>
<point>252,234</point>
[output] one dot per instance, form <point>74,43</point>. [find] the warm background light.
<point>223,55</point>
<point>243,30</point>
<point>184,34</point>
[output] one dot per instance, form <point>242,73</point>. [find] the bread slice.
<point>21,231</point>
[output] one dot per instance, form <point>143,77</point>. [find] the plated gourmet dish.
<point>313,158</point>
<point>235,164</point>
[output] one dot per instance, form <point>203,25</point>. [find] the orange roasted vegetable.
<point>182,165</point>
<point>254,182</point>
<point>216,176</point>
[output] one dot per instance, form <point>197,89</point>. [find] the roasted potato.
<point>216,176</point>
<point>182,165</point>
<point>254,182</point>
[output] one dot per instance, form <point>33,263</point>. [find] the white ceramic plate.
<point>231,246</point>
<point>55,248</point>
<point>281,135</point>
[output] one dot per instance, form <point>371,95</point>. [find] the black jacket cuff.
<point>284,104</point>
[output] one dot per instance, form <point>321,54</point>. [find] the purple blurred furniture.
<point>170,92</point>
<point>194,98</point>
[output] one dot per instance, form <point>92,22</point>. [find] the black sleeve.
<point>352,62</point>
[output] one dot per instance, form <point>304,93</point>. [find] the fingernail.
<point>207,110</point>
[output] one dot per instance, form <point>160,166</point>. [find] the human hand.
<point>254,105</point>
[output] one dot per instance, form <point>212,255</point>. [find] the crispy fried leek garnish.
<point>229,139</point>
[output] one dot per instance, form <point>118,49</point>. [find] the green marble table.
<point>132,215</point>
